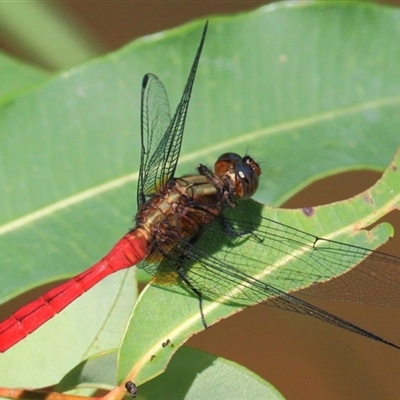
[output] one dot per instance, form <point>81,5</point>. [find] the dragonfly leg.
<point>204,170</point>
<point>196,292</point>
<point>227,191</point>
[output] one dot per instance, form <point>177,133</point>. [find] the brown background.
<point>303,358</point>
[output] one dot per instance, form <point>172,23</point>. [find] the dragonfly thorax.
<point>185,205</point>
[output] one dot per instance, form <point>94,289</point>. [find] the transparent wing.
<point>277,260</point>
<point>155,120</point>
<point>162,137</point>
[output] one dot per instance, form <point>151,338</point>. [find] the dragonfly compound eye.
<point>226,163</point>
<point>247,172</point>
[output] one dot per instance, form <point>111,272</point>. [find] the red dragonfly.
<point>178,218</point>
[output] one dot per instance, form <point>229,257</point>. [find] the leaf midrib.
<point>221,146</point>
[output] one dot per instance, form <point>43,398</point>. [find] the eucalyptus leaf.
<point>16,76</point>
<point>307,88</point>
<point>246,270</point>
<point>92,323</point>
<point>192,374</point>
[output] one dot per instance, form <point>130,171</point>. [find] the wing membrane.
<point>219,269</point>
<point>155,118</point>
<point>162,137</point>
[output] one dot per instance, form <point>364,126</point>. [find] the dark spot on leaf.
<point>166,343</point>
<point>152,357</point>
<point>394,168</point>
<point>369,199</point>
<point>308,211</point>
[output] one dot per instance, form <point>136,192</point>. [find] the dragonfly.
<point>178,220</point>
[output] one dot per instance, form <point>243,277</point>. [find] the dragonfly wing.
<point>155,119</point>
<point>291,260</point>
<point>162,137</point>
<point>220,280</point>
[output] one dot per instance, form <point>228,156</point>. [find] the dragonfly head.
<point>243,172</point>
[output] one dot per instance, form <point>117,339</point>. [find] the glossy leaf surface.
<point>306,95</point>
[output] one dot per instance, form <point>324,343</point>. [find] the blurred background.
<point>303,358</point>
<point>57,35</point>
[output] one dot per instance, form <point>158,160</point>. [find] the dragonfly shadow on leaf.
<point>207,261</point>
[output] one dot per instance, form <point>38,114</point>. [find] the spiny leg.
<point>196,292</point>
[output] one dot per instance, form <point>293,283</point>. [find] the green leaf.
<point>72,144</point>
<point>98,371</point>
<point>192,374</point>
<point>305,94</point>
<point>16,76</point>
<point>283,260</point>
<point>92,323</point>
<point>209,377</point>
